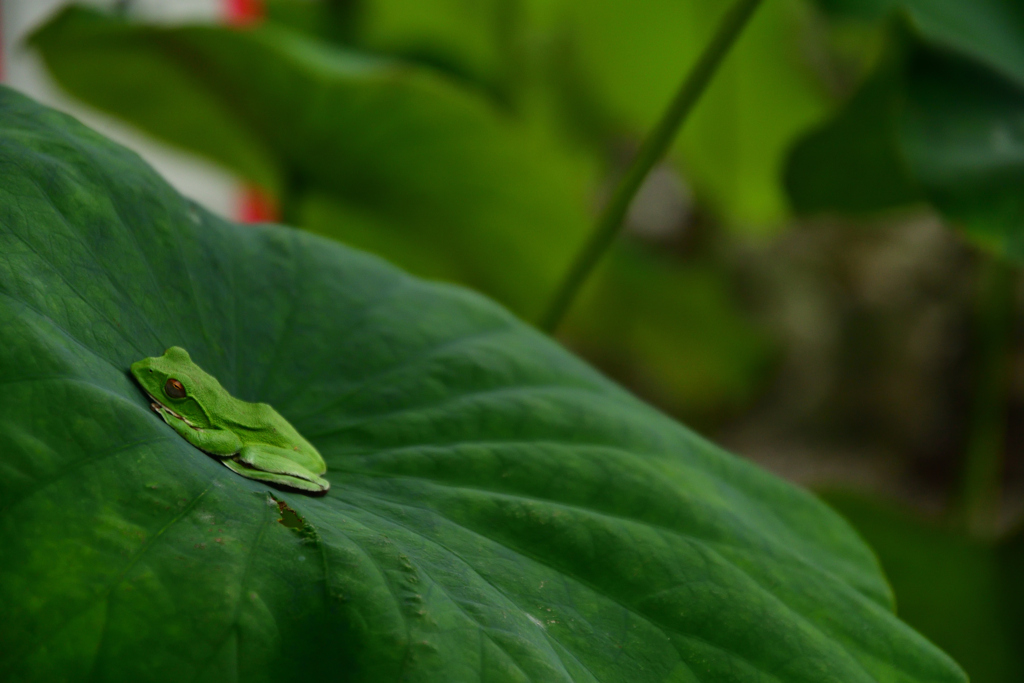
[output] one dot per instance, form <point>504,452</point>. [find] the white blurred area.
<point>23,70</point>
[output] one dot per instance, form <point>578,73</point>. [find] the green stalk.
<point>651,151</point>
<point>290,200</point>
<point>341,21</point>
<point>981,484</point>
<point>509,36</point>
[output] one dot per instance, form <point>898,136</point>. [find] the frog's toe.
<point>317,488</point>
<point>313,488</point>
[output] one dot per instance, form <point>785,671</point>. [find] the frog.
<point>251,439</point>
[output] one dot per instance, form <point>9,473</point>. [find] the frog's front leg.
<point>273,464</point>
<point>216,441</point>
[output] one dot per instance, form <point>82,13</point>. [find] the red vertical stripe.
<point>254,205</point>
<point>240,12</point>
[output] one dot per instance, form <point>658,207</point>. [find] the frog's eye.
<point>174,389</point>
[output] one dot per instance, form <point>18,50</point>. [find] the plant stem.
<point>983,462</point>
<point>651,151</point>
<point>341,20</point>
<point>290,201</point>
<point>508,28</point>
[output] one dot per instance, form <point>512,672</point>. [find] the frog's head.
<point>176,384</point>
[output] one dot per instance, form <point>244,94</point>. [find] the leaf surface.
<point>498,510</point>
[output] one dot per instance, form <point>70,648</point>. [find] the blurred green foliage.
<point>354,146</point>
<point>600,72</point>
<point>939,119</point>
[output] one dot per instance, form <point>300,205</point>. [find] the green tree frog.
<point>251,439</point>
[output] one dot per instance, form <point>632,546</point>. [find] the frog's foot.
<point>271,464</point>
<point>280,480</point>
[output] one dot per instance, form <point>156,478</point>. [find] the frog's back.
<point>260,423</point>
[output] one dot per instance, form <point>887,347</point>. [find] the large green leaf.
<point>938,120</point>
<point>366,150</point>
<point>472,42</point>
<point>498,510</point>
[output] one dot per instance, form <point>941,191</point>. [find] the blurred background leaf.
<point>939,119</point>
<point>385,152</point>
<point>733,148</point>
